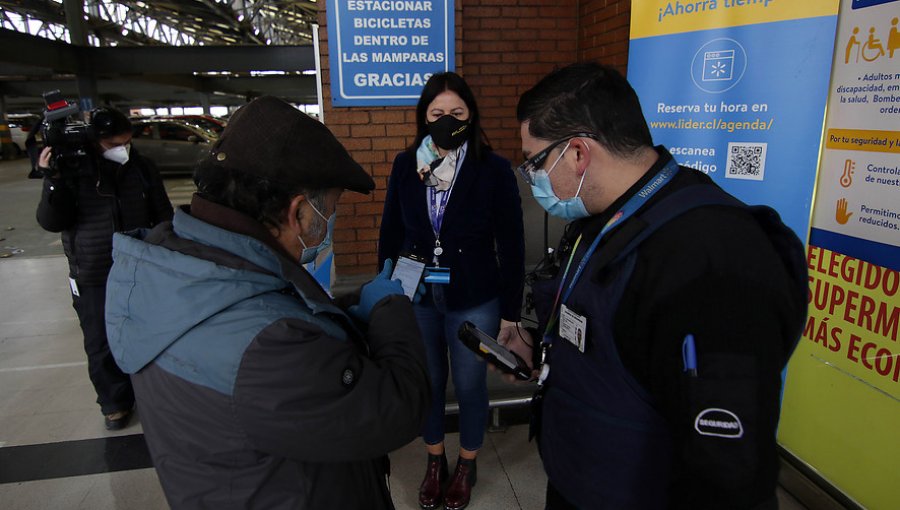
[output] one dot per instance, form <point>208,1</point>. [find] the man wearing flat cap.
<point>255,389</point>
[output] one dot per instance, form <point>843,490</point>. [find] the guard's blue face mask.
<point>568,209</point>
<point>310,253</point>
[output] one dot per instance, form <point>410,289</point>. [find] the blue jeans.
<point>439,332</point>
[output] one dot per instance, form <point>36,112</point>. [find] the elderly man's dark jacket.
<point>255,390</point>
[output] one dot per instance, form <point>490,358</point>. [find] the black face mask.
<point>448,132</point>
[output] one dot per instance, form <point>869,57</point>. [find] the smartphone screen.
<point>409,272</point>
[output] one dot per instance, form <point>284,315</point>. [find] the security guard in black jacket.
<point>663,334</point>
<point>87,198</point>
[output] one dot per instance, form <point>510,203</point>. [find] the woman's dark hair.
<point>586,97</point>
<point>437,84</point>
<point>263,200</point>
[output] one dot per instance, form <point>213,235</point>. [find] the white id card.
<point>74,287</point>
<point>572,327</point>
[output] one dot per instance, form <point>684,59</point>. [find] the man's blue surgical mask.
<point>310,253</point>
<point>568,209</point>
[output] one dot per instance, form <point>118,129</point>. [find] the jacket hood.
<point>158,294</point>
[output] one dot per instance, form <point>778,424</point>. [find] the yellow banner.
<point>863,140</point>
<point>842,397</point>
<point>662,17</point>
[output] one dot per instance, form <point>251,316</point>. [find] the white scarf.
<point>445,170</point>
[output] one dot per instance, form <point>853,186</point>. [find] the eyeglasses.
<point>534,163</point>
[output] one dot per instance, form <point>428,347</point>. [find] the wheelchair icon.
<point>872,44</point>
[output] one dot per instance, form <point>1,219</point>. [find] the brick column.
<point>507,46</point>
<point>603,32</point>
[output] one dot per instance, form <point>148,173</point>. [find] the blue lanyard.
<point>436,212</point>
<point>633,204</point>
<point>437,208</point>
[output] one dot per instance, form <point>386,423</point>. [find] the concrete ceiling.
<point>151,75</point>
<point>135,74</point>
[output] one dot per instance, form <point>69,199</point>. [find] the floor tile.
<point>125,490</point>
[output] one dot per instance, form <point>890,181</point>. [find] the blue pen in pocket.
<point>689,355</point>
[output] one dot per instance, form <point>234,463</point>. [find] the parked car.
<point>207,122</point>
<point>20,124</point>
<point>174,145</point>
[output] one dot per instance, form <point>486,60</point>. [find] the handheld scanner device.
<point>482,344</point>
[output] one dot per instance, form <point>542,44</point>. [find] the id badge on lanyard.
<point>572,327</point>
<point>438,206</point>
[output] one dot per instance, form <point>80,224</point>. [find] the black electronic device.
<point>487,347</point>
<point>408,270</point>
<point>68,138</point>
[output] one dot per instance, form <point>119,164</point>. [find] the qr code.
<point>746,160</point>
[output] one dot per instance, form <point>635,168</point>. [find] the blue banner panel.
<point>862,4</point>
<point>383,51</point>
<point>743,104</point>
<point>880,254</point>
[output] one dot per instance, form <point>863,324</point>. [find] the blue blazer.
<point>482,233</point>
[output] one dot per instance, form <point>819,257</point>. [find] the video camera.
<point>69,139</point>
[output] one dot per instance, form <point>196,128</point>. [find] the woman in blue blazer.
<point>453,202</point>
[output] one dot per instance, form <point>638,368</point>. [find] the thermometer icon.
<point>847,176</point>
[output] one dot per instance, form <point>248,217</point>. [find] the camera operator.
<point>89,192</point>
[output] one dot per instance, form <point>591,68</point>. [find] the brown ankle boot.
<point>431,490</point>
<point>460,489</point>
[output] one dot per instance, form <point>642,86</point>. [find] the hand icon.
<point>841,215</point>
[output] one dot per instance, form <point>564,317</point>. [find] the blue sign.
<point>743,104</point>
<point>383,51</point>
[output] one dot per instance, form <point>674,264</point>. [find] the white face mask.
<point>118,154</point>
<point>310,253</point>
<point>569,209</point>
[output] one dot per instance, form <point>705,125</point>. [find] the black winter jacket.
<point>712,272</point>
<point>104,197</point>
